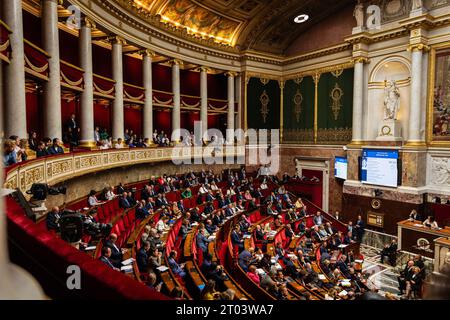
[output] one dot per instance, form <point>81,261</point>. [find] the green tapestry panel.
<point>335,105</point>
<point>263,104</point>
<point>298,110</point>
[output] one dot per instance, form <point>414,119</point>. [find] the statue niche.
<point>390,127</point>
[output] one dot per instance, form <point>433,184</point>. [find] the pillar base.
<point>356,144</point>
<point>89,145</point>
<point>415,145</point>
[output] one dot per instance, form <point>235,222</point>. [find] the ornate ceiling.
<point>259,25</point>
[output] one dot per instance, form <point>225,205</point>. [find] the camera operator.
<point>94,228</point>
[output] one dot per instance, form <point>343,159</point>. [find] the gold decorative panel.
<point>57,169</point>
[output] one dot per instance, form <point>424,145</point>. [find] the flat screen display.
<point>379,167</point>
<point>340,168</point>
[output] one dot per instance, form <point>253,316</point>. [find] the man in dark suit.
<point>105,258</point>
<point>359,228</point>
<point>52,219</point>
<point>343,266</point>
<point>71,123</point>
<point>229,211</point>
<point>202,241</point>
<point>116,252</point>
<point>41,150</point>
<point>123,201</point>
<point>209,208</point>
<point>184,229</point>
<point>141,212</point>
<point>55,147</point>
<point>236,238</point>
<point>142,257</point>
<point>389,251</point>
<point>120,189</point>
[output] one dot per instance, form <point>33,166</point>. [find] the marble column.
<point>117,73</point>
<point>15,111</point>
<point>358,99</point>
<point>147,113</point>
<point>414,134</point>
<point>87,96</point>
<point>230,112</point>
<point>176,111</point>
<point>238,90</point>
<point>52,87</point>
<point>204,99</point>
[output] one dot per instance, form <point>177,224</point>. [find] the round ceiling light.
<point>301,18</point>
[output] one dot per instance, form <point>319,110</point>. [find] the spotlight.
<point>301,18</point>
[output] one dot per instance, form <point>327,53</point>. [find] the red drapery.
<point>35,59</point>
<point>133,120</point>
<point>102,116</point>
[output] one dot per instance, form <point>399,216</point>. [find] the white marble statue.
<point>358,13</point>
<point>391,100</point>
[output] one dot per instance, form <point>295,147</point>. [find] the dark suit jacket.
<point>106,261</point>
<point>116,254</point>
<point>55,150</point>
<point>142,260</point>
<point>52,220</point>
<point>236,238</point>
<point>124,203</point>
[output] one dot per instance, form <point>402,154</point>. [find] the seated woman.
<point>431,223</point>
<point>252,274</point>
<point>92,200</point>
<point>209,291</point>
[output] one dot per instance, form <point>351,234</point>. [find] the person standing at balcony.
<point>97,135</point>
<point>33,142</point>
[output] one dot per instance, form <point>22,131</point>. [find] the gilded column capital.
<point>177,62</point>
<point>360,60</point>
<point>88,23</point>
<point>115,39</point>
<point>418,47</point>
<point>147,53</point>
<point>204,69</point>
<point>231,73</point>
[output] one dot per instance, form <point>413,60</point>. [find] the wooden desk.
<point>415,238</point>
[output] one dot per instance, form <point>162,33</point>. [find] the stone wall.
<point>79,187</point>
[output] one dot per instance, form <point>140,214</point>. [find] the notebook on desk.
<point>127,269</point>
<point>127,262</point>
<point>162,268</point>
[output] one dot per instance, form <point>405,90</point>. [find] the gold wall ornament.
<point>298,100</point>
<point>264,81</point>
<point>336,95</point>
<point>337,73</point>
<point>298,80</point>
<point>264,99</point>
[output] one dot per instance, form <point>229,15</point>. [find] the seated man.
<point>55,147</point>
<point>202,241</point>
<point>105,258</point>
<point>142,258</point>
<point>116,252</point>
<point>177,269</point>
<point>123,201</point>
<point>389,251</point>
<point>52,219</point>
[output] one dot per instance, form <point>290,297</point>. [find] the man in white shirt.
<point>118,144</point>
